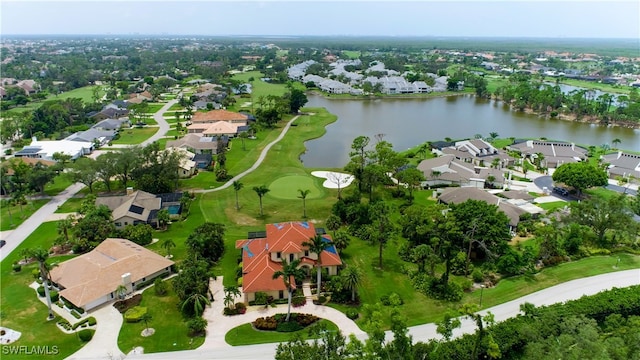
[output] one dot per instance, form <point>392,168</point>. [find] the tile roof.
<point>462,194</point>
<point>218,115</point>
<point>91,276</point>
<point>286,238</point>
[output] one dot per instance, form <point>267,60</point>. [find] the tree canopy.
<point>580,176</point>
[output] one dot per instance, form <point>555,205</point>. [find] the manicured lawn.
<point>71,205</point>
<point>135,135</point>
<point>21,309</point>
<point>60,183</point>
<point>154,108</point>
<point>500,143</point>
<point>286,187</point>
<point>85,93</point>
<point>550,206</point>
<point>601,192</point>
<point>351,54</point>
<point>176,107</point>
<point>598,86</point>
<point>260,88</point>
<point>202,180</point>
<point>247,335</point>
<point>171,332</point>
<point>19,213</point>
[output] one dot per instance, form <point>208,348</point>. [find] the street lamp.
<point>481,290</point>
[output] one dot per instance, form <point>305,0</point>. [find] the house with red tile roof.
<point>214,116</point>
<point>263,252</point>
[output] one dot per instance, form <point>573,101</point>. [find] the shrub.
<point>298,301</point>
<point>54,296</point>
<point>241,308</point>
<point>85,335</point>
<point>75,314</point>
<point>135,314</point>
<point>124,305</point>
<point>160,287</point>
<point>65,324</point>
<point>353,314</point>
<point>17,267</point>
<point>477,276</point>
<point>36,274</point>
<point>391,299</point>
<point>239,282</point>
<point>91,321</point>
<point>197,326</point>
<point>261,298</point>
<point>437,290</point>
<point>40,291</point>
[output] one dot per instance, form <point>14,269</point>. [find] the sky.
<point>472,18</point>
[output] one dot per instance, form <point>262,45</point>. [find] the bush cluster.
<point>277,322</point>
<point>85,334</point>
<point>124,305</point>
<point>298,301</point>
<point>391,299</point>
<point>135,314</point>
<point>353,314</point>
<point>65,324</point>
<point>238,309</point>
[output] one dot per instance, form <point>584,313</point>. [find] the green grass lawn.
<point>85,93</point>
<point>551,206</point>
<point>71,205</point>
<point>59,184</point>
<point>286,187</point>
<point>259,87</point>
<point>351,54</point>
<point>135,135</point>
<point>594,85</point>
<point>18,213</point>
<point>202,180</point>
<point>601,192</point>
<point>175,107</point>
<point>154,107</point>
<point>22,311</point>
<point>247,335</point>
<point>171,332</point>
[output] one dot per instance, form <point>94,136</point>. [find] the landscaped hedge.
<point>65,324</point>
<point>298,301</point>
<point>89,321</point>
<point>275,322</point>
<point>124,305</point>
<point>135,314</point>
<point>70,306</point>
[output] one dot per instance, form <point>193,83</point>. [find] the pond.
<point>408,122</point>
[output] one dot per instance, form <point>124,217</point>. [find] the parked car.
<point>561,191</point>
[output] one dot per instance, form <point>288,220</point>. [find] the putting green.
<point>287,187</point>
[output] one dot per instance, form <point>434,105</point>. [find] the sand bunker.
<point>334,180</point>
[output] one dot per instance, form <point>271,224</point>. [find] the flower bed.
<point>277,322</point>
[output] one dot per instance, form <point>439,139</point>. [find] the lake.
<point>408,122</point>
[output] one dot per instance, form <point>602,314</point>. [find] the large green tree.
<point>580,176</point>
<point>603,216</point>
<point>207,240</point>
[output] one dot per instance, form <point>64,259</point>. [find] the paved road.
<point>263,154</point>
<point>547,181</point>
<point>559,293</point>
<point>17,236</point>
<point>163,125</point>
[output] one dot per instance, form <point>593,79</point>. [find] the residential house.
<point>109,113</point>
<point>202,105</point>
<point>95,136</point>
<point>478,152</point>
<point>187,166</point>
<point>622,165</point>
<point>46,149</point>
<point>220,128</point>
<point>214,116</point>
<point>197,143</point>
<point>139,207</point>
<point>111,124</point>
<point>554,153</point>
<point>94,278</point>
<point>29,86</point>
<point>460,195</point>
<point>447,170</point>
<point>263,252</point>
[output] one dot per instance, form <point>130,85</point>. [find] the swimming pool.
<point>174,209</point>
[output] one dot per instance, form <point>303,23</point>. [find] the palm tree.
<point>261,190</point>
<point>493,135</point>
<point>231,292</point>
<point>303,196</point>
<point>289,274</point>
<point>41,255</point>
<point>64,226</point>
<point>121,291</point>
<point>333,223</point>
<point>197,301</point>
<point>616,142</point>
<point>317,245</point>
<point>243,135</point>
<point>352,276</point>
<point>237,185</point>
<point>146,317</point>
<point>168,244</point>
